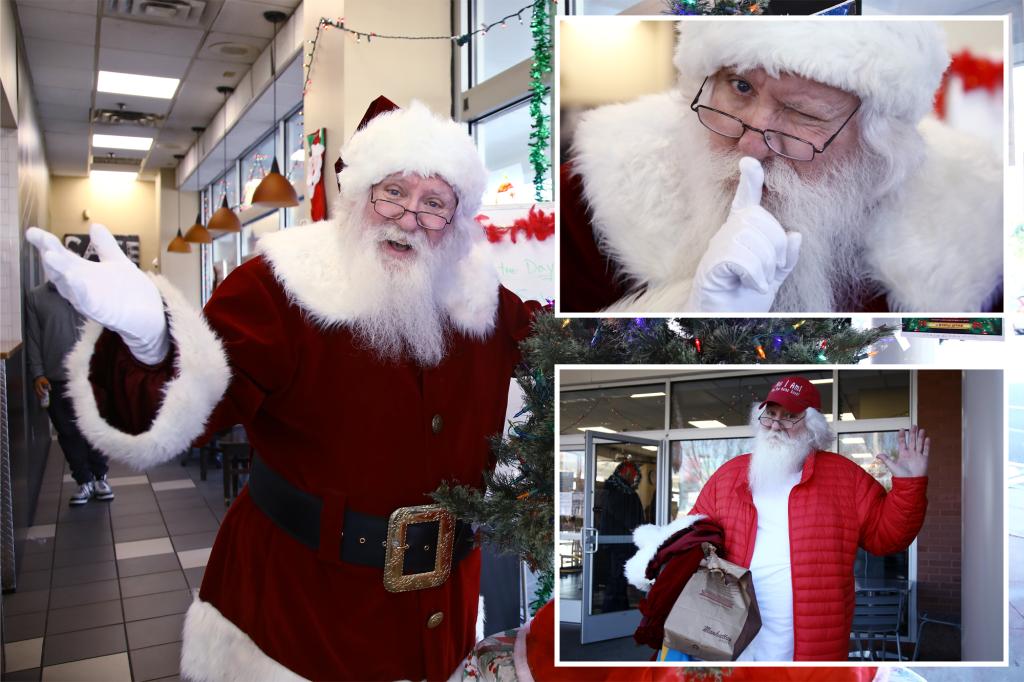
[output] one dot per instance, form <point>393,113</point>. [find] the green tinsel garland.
<point>540,133</point>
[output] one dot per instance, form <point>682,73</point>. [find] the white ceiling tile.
<point>66,145</point>
<point>78,112</point>
<point>284,5</point>
<point>124,129</point>
<point>245,18</point>
<point>214,45</point>
<point>214,73</point>
<point>194,98</point>
<point>145,63</point>
<point>135,35</point>
<point>74,6</point>
<point>59,126</point>
<point>56,53</point>
<point>148,105</point>
<point>65,96</point>
<point>39,22</point>
<point>57,77</point>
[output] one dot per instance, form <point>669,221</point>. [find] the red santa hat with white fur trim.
<point>414,140</point>
<point>894,67</point>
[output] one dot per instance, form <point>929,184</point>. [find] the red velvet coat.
<point>354,431</point>
<point>834,509</point>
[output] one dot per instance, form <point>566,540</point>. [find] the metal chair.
<point>949,620</point>
<point>877,620</point>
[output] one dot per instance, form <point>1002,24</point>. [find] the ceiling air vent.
<point>116,163</point>
<point>178,12</point>
<point>124,117</point>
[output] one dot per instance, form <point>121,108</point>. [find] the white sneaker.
<point>101,490</point>
<point>82,495</point>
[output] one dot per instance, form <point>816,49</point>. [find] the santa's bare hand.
<point>749,257</point>
<point>913,454</point>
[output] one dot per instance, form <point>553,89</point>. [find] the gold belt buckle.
<point>394,556</point>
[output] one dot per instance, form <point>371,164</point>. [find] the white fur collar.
<point>305,261</point>
<point>648,538</point>
<point>937,248</point>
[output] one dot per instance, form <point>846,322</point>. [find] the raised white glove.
<point>113,292</point>
<point>748,258</point>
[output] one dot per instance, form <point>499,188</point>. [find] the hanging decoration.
<point>326,24</point>
<point>698,7</point>
<point>540,130</point>
<point>975,73</point>
<point>315,174</point>
<point>537,225</point>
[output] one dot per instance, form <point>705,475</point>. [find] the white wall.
<point>983,600</point>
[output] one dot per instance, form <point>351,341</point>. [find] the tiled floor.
<point>103,588</point>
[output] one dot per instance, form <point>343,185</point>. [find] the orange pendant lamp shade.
<point>179,245</point>
<point>197,234</point>
<point>274,191</point>
<point>224,220</point>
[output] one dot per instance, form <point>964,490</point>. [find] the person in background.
<point>51,330</point>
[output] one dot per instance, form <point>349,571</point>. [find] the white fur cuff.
<point>213,649</point>
<point>189,398</point>
<point>649,538</point>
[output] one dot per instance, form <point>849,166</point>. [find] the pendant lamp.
<point>274,191</point>
<point>178,244</point>
<point>224,219</point>
<point>197,234</point>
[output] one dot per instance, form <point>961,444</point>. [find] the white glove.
<point>113,292</point>
<point>748,258</point>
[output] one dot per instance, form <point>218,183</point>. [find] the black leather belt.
<point>415,547</point>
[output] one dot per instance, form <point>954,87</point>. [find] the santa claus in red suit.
<point>796,516</point>
<point>791,169</point>
<point>368,358</point>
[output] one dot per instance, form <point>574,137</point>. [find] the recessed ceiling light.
<point>136,84</point>
<point>707,424</point>
<point>656,394</point>
<point>121,142</point>
<point>600,429</point>
<point>113,176</point>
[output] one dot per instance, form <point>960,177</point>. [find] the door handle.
<point>590,540</point>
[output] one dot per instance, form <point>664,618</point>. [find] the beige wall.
<point>125,208</point>
<point>347,75</point>
<point>181,269</point>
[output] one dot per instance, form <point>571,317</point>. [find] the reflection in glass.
<point>727,401</point>
<point>873,394</point>
<point>692,464</point>
<point>570,523</point>
<point>862,448</point>
<point>255,166</point>
<point>504,143</point>
<point>629,408</point>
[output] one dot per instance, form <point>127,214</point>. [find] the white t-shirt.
<point>773,577</point>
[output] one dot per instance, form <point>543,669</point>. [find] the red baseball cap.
<point>795,394</point>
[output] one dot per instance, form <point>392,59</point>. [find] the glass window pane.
<point>228,182</point>
<point>251,232</point>
<point>727,401</point>
<point>255,166</point>
<point>504,143</point>
<point>570,513</point>
<point>863,447</point>
<point>502,46</point>
<point>693,462</point>
<point>295,152</point>
<point>873,394</point>
<point>630,408</point>
<point>225,257</point>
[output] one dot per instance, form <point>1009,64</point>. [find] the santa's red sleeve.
<point>889,522</point>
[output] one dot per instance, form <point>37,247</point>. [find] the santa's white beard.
<point>832,212</point>
<point>776,457</point>
<point>401,315</point>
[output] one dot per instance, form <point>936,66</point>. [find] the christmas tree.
<point>515,511</point>
<point>696,7</point>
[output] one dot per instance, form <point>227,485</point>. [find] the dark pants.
<point>85,462</point>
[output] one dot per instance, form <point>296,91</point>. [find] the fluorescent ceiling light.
<point>601,429</point>
<point>847,417</point>
<point>707,424</point>
<point>656,394</point>
<point>652,448</point>
<point>136,84</point>
<point>862,455</point>
<point>821,381</point>
<point>852,440</point>
<point>121,142</point>
<point>113,176</point>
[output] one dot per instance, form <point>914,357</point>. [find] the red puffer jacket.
<point>835,508</point>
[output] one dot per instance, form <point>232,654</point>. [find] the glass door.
<point>620,489</point>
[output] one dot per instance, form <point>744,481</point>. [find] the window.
<point>295,152</point>
<point>251,232</point>
<point>630,408</point>
<point>503,46</point>
<point>255,166</point>
<point>504,143</point>
<point>727,401</point>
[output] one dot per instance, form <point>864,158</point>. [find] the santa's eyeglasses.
<point>783,144</point>
<point>786,422</point>
<point>425,219</point>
